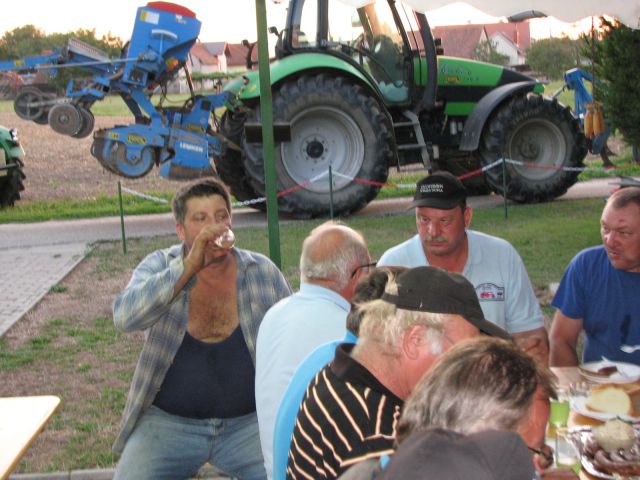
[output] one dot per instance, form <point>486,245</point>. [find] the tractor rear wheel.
<point>229,165</point>
<point>11,184</point>
<point>537,131</point>
<point>333,123</point>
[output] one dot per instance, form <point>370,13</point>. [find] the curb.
<point>209,473</point>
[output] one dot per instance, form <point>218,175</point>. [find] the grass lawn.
<point>80,356</point>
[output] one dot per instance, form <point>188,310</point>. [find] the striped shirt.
<point>145,305</point>
<point>347,416</point>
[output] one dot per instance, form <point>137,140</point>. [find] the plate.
<point>627,372</point>
<point>580,437</point>
<point>579,405</point>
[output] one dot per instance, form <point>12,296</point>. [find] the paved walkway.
<point>28,273</point>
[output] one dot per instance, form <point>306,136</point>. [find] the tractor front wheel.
<point>543,135</point>
<point>11,184</point>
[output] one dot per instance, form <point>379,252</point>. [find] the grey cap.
<point>443,454</point>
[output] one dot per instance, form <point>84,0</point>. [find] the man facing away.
<point>600,290</point>
<point>491,264</point>
<point>200,305</point>
<point>334,258</point>
<point>350,411</point>
<point>369,288</point>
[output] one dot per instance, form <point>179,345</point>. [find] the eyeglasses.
<point>544,454</point>
<point>366,265</point>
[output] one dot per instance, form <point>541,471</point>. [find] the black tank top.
<point>209,380</point>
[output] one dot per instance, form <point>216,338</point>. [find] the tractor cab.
<point>382,39</point>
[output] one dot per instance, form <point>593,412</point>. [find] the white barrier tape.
<point>545,167</point>
<point>144,195</point>
<point>395,185</point>
<point>494,164</point>
<point>249,202</point>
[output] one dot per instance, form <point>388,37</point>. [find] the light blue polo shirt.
<point>291,330</point>
<point>496,271</point>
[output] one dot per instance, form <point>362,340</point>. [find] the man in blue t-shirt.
<point>600,290</point>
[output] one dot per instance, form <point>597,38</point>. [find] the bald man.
<point>334,258</point>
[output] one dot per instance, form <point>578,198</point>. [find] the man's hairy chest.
<point>213,313</point>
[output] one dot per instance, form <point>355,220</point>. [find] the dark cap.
<point>439,190</point>
<point>431,289</point>
<point>437,453</point>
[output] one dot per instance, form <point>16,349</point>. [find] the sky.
<point>222,20</point>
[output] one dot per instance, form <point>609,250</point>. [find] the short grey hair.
<point>624,197</point>
<point>480,384</point>
<point>331,252</point>
<point>385,324</point>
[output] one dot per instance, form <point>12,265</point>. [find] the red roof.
<point>237,56</point>
<point>460,40</point>
<point>201,53</point>
<point>518,32</point>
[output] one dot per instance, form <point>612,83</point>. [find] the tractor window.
<point>305,33</point>
<point>381,47</point>
<point>368,35</point>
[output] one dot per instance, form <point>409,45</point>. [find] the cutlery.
<point>629,348</point>
<point>623,370</point>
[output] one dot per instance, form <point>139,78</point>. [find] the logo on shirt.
<point>489,292</point>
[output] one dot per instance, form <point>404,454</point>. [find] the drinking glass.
<point>226,240</point>
<point>567,454</point>
<point>558,417</point>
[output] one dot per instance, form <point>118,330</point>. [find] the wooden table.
<point>21,420</point>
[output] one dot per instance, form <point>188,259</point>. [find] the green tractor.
<point>11,165</point>
<point>371,90</point>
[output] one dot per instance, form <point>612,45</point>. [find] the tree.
<point>617,64</point>
<point>31,41</point>
<point>551,57</point>
<point>486,51</point>
<point>23,41</point>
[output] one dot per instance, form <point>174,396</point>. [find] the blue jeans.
<point>165,446</point>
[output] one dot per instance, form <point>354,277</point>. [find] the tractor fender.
<point>485,107</point>
<point>247,87</point>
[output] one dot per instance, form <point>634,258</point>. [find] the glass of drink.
<point>567,454</point>
<point>226,240</point>
<point>558,417</point>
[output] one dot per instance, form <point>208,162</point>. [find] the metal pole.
<point>124,238</point>
<point>504,185</point>
<point>267,133</point>
<point>330,193</point>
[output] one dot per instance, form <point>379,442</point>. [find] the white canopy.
<point>626,11</point>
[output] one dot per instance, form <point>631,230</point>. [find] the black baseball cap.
<point>432,289</point>
<point>438,453</point>
<point>439,190</point>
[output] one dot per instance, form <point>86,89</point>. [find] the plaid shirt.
<point>144,305</point>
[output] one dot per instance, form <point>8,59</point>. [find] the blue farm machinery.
<point>180,140</point>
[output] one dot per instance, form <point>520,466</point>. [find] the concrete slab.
<point>28,273</point>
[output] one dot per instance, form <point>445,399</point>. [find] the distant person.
<point>334,258</point>
<point>491,264</point>
<point>200,304</point>
<point>352,406</point>
<point>600,290</point>
<point>369,288</point>
<point>459,423</point>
